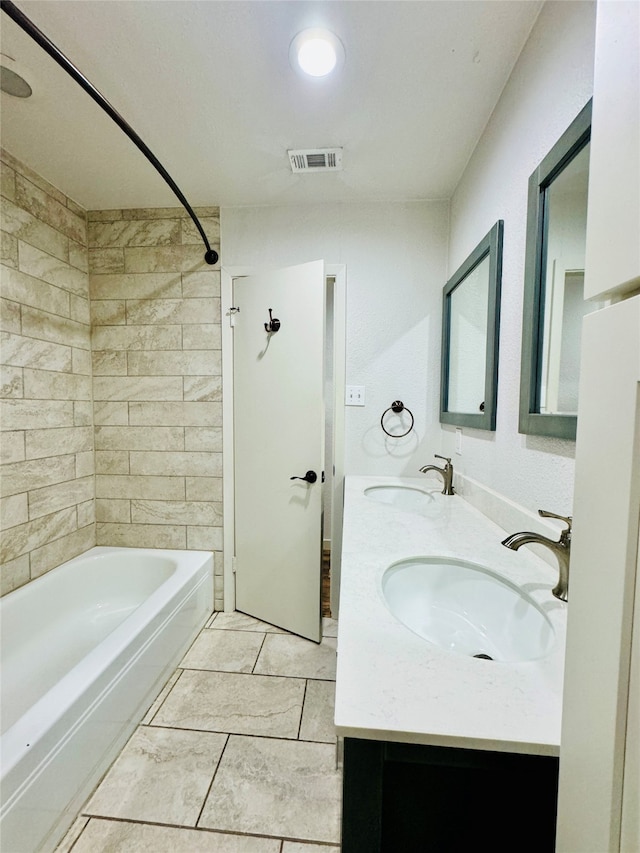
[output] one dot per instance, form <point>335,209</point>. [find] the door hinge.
<point>232,315</point>
<point>233,564</point>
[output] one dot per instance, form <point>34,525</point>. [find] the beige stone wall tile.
<point>203,488</point>
<point>79,310</point>
<point>145,388</point>
<point>203,438</point>
<point>36,179</point>
<point>9,250</point>
<point>13,510</point>
<point>78,256</point>
<point>82,413</point>
<point>60,496</point>
<point>154,213</point>
<point>114,486</point>
<point>47,385</point>
<point>110,413</point>
<point>205,284</point>
<point>104,215</point>
<point>136,337</point>
<point>12,447</point>
<point>61,550</point>
<point>148,286</point>
<point>56,442</point>
<point>85,464</point>
<point>14,574</point>
<point>160,438</point>
<point>10,316</point>
<point>113,511</point>
<point>27,290</point>
<point>27,352</point>
<point>175,512</point>
<point>41,265</point>
<point>203,388</point>
<point>149,462</point>
<point>31,414</point>
<point>33,534</point>
<point>86,512</point>
<point>76,208</point>
<point>203,336</point>
<point>50,210</point>
<point>218,563</point>
<point>106,260</point>
<point>157,311</point>
<point>108,363</point>
<point>142,232</point>
<point>51,327</point>
<point>218,586</point>
<point>141,535</point>
<point>32,474</point>
<point>11,382</point>
<point>160,259</point>
<point>173,413</point>
<point>81,361</point>
<point>7,182</point>
<point>112,462</point>
<point>174,363</point>
<point>108,312</point>
<point>204,538</point>
<point>211,227</point>
<point>24,226</point>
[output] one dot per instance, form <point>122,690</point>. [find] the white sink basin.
<point>402,497</point>
<point>466,608</point>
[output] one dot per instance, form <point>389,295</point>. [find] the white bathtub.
<point>85,650</point>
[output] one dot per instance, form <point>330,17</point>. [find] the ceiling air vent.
<point>316,160</point>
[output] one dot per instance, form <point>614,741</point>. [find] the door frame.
<point>227,273</point>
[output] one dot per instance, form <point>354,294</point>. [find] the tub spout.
<point>561,548</point>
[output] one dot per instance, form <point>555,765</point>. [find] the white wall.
<point>551,82</point>
<point>395,255</point>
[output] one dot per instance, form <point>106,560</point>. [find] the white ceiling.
<point>208,87</point>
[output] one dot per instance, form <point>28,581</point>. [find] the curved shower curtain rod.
<point>211,256</point>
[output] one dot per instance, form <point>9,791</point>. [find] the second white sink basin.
<point>466,608</point>
<point>403,497</point>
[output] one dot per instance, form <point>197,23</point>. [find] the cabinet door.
<point>613,221</point>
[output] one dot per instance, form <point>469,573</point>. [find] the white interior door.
<point>279,434</point>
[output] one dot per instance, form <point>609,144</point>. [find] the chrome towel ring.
<point>397,406</point>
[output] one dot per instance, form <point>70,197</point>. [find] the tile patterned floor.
<point>236,755</point>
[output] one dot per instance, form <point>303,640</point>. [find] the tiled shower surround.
<point>150,361</point>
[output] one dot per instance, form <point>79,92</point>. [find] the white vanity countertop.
<point>393,685</point>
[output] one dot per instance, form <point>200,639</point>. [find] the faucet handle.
<point>568,519</point>
<point>447,459</point>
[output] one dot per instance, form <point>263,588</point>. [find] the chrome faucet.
<point>561,548</point>
<point>446,473</point>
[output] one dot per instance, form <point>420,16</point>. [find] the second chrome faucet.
<point>446,472</point>
<point>561,548</point>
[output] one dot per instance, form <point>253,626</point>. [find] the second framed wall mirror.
<point>553,289</point>
<point>470,328</point>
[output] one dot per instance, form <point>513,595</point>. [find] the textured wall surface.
<point>551,82</point>
<point>155,313</point>
<point>47,473</point>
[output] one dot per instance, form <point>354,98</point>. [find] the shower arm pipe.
<point>211,256</point>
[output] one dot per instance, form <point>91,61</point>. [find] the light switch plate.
<point>355,395</point>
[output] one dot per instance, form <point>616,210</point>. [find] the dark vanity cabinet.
<point>409,798</point>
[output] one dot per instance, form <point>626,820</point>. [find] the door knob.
<point>309,477</point>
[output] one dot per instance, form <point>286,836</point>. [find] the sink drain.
<point>483,657</point>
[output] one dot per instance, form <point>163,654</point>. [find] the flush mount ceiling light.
<point>316,52</point>
<point>11,81</point>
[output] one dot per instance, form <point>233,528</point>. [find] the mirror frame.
<point>531,422</point>
<point>491,246</point>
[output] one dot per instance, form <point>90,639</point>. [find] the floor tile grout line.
<point>215,773</point>
<point>255,663</point>
<point>237,734</point>
<point>169,692</point>
<point>259,674</point>
<point>304,698</point>
<point>78,836</point>
<point>214,831</point>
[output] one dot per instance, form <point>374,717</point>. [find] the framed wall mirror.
<point>553,286</point>
<point>470,331</point>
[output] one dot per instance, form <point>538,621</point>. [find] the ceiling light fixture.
<point>13,83</point>
<point>316,52</point>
